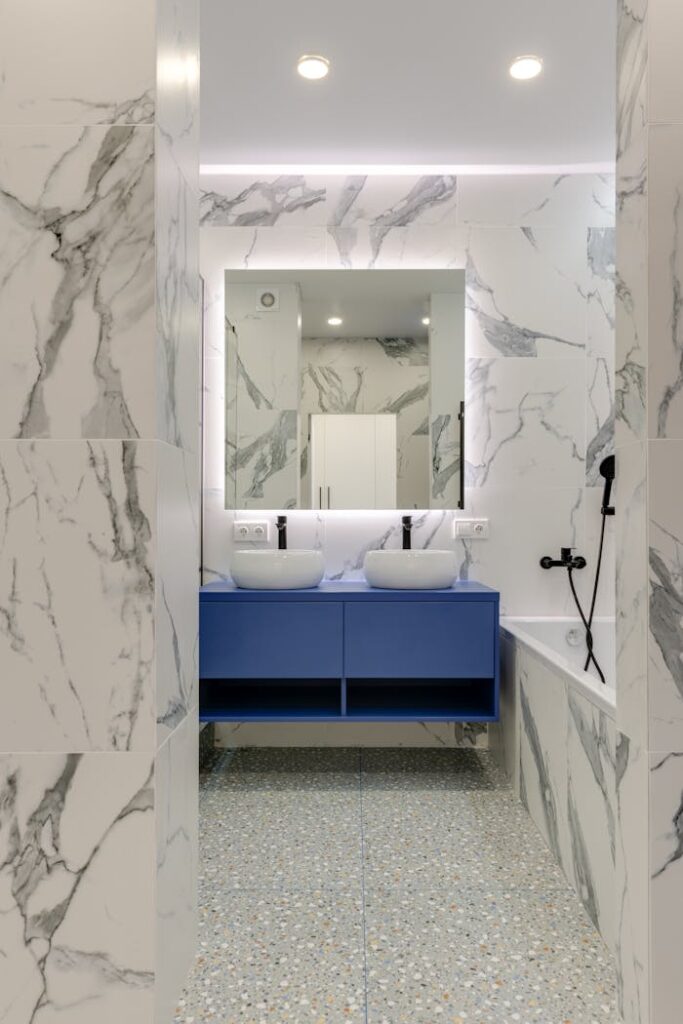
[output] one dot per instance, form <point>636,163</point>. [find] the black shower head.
<point>607,470</point>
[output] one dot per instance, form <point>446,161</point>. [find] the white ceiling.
<point>411,82</point>
<point>372,303</point>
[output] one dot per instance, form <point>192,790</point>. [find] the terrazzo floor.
<point>383,887</point>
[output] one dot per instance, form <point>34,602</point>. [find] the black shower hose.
<point>588,622</point>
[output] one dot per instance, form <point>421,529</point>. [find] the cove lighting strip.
<point>396,170</point>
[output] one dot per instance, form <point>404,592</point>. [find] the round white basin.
<point>411,570</point>
<point>277,570</point>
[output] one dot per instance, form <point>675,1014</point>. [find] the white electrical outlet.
<point>471,529</point>
<point>254,532</point>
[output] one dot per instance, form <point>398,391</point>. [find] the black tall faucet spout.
<point>282,533</point>
<point>407,522</point>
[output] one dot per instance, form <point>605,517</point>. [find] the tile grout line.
<point>362,880</point>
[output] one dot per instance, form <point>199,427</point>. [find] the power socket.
<point>257,532</point>
<point>471,529</point>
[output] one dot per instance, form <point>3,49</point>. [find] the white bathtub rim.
<point>586,685</point>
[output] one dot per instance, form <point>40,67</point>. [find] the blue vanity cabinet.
<point>344,652</point>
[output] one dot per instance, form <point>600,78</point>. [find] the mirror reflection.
<point>344,389</point>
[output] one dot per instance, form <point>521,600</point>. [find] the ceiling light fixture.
<point>526,67</point>
<point>426,321</point>
<point>335,321</point>
<point>313,66</point>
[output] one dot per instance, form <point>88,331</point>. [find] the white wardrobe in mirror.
<point>353,461</point>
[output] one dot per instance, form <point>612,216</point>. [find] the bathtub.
<point>561,643</point>
<point>556,739</point>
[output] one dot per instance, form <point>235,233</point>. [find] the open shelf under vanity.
<point>346,652</point>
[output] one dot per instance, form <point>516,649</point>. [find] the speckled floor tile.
<point>289,959</point>
<point>485,956</point>
<point>297,843</point>
<point>421,770</point>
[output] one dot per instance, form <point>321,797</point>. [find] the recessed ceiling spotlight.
<point>312,65</point>
<point>426,321</point>
<point>524,68</point>
<point>335,321</point>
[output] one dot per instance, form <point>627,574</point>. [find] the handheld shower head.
<point>608,471</point>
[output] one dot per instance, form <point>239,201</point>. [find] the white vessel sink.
<point>277,570</point>
<point>410,570</point>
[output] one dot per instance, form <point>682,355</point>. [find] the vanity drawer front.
<point>271,640</point>
<point>413,640</point>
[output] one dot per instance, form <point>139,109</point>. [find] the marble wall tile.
<point>48,72</point>
<point>600,350</point>
<point>216,535</point>
<point>385,203</point>
<point>268,248</point>
<point>78,215</point>
<point>507,318</point>
<point>177,80</point>
<point>544,776</point>
<point>632,70</point>
<point>605,603</point>
<point>236,201</point>
<point>358,247</point>
<point>665,620</point>
<point>177,794</point>
<point>591,798</point>
<point>350,535</point>
<point>631,294</point>
<point>632,951</point>
<point>178,304</point>
<point>525,422</point>
<point>213,396</point>
<point>664,31</point>
<point>632,592</point>
<point>77,877</point>
<point>665,268</point>
<point>666,872</point>
<point>77,520</point>
<point>536,200</point>
<point>177,578</point>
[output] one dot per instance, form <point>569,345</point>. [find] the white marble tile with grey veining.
<point>77,521</point>
<point>385,202</point>
<point>441,246</point>
<point>86,84</point>
<point>177,609</point>
<point>665,608</point>
<point>78,214</point>
<point>287,200</point>
<point>178,305</point>
<point>505,317</point>
<point>536,200</point>
<point>600,349</point>
<point>632,70</point>
<point>265,462</point>
<point>525,422</point>
<point>77,859</point>
<point>177,862</point>
<point>665,266</point>
<point>177,92</point>
<point>666,871</point>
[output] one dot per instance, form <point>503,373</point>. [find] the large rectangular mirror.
<point>344,389</point>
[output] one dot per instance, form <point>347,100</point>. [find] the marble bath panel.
<point>526,422</point>
<point>632,70</point>
<point>177,852</point>
<point>631,294</point>
<point>178,305</point>
<point>77,521</point>
<point>632,952</point>
<point>507,318</point>
<point>177,99</point>
<point>536,200</point>
<point>631,558</point>
<point>77,877</point>
<point>666,872</point>
<point>665,619</point>
<point>665,266</point>
<point>51,78</point>
<point>78,215</point>
<point>286,200</point>
<point>266,468</point>
<point>177,606</point>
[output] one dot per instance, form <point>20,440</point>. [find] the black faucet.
<point>565,561</point>
<point>282,533</point>
<point>407,522</point>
